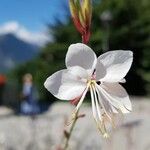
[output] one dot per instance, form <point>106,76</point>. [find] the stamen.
<point>106,135</point>
<point>102,128</point>
<point>82,98</point>
<point>96,111</point>
<point>99,98</point>
<point>74,113</point>
<point>93,105</point>
<point>97,105</point>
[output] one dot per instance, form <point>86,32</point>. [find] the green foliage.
<point>129,29</point>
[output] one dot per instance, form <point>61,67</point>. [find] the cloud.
<point>38,38</point>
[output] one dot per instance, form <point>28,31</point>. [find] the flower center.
<point>91,82</point>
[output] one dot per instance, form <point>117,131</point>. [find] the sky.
<point>29,17</point>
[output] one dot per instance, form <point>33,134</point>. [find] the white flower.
<point>99,75</point>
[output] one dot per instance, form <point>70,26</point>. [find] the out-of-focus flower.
<point>2,79</point>
<point>81,12</point>
<point>99,75</point>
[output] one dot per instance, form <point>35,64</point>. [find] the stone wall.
<point>44,132</point>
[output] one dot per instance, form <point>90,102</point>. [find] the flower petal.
<point>100,71</point>
<point>64,85</point>
<point>117,96</point>
<point>79,72</point>
<point>81,55</point>
<point>105,104</point>
<point>117,64</point>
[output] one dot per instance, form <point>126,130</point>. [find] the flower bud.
<point>81,12</point>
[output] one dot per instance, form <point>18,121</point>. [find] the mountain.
<point>14,51</point>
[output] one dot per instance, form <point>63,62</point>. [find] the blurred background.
<point>34,38</point>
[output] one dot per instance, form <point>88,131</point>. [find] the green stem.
<point>70,132</point>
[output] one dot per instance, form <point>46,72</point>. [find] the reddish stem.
<point>86,37</point>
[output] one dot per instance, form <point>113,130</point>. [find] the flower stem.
<point>68,135</point>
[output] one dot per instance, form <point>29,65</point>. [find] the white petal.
<point>64,85</point>
<point>123,80</point>
<point>117,96</point>
<point>81,55</point>
<point>100,71</point>
<point>117,64</point>
<point>79,72</point>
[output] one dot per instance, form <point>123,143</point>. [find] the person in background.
<point>29,104</point>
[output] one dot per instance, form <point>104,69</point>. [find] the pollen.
<point>91,82</point>
<point>106,135</point>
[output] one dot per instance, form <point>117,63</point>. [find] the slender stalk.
<point>83,39</point>
<point>70,132</point>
